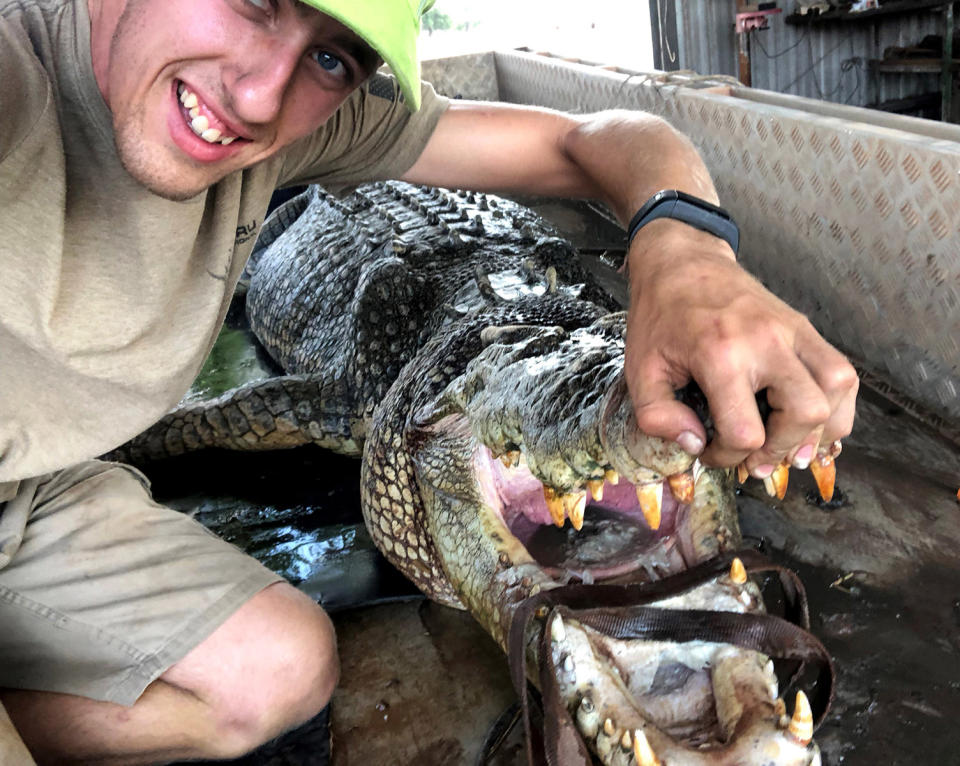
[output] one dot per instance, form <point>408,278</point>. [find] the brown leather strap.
<point>621,612</point>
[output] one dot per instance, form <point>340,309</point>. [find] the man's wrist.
<point>678,206</point>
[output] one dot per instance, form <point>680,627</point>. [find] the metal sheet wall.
<point>848,214</point>
<point>826,61</point>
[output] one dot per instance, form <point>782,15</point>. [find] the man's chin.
<point>161,178</point>
<point>166,185</point>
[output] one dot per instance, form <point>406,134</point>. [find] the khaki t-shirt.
<point>111,297</point>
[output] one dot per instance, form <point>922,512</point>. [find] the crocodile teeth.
<point>612,476</point>
<point>742,473</point>
<point>574,505</point>
<point>776,482</point>
<point>588,719</point>
<point>681,485</point>
<point>557,632</point>
<point>555,506</point>
<point>651,499</point>
<point>801,725</point>
<point>738,572</point>
<point>780,711</point>
<point>824,472</point>
<point>511,459</point>
<point>596,489</point>
<point>642,751</point>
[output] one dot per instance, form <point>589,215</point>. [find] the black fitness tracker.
<point>694,211</point>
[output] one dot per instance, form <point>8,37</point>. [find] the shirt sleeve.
<point>371,137</point>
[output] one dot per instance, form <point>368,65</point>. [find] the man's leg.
<point>271,666</point>
<point>130,634</point>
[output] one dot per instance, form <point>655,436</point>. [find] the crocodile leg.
<point>278,413</point>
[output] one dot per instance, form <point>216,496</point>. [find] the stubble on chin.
<point>147,167</point>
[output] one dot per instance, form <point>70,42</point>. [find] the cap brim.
<point>391,29</point>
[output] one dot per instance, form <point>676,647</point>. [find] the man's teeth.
<point>200,124</point>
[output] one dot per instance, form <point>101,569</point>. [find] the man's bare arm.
<point>694,313</point>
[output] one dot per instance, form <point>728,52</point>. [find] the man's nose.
<point>262,77</point>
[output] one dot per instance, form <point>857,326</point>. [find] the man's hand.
<point>695,314</point>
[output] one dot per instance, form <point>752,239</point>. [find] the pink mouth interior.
<point>615,539</point>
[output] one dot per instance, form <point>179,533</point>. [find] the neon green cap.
<point>391,28</point>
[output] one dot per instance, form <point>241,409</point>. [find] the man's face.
<point>201,88</point>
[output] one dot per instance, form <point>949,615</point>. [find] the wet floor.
<point>422,684</point>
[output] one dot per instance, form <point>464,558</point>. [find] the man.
<point>140,141</point>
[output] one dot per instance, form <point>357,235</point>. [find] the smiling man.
<point>140,141</point>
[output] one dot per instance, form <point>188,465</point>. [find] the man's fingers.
<point>837,379</point>
<point>658,413</point>
<point>739,429</point>
<point>799,406</point>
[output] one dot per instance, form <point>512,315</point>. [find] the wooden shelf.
<point>886,9</point>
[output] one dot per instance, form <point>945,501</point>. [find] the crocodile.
<point>459,345</point>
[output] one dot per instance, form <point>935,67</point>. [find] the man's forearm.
<point>626,157</point>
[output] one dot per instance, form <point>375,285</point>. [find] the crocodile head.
<point>522,470</point>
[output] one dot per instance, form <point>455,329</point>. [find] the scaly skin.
<point>433,330</point>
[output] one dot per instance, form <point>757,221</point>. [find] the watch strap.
<point>691,210</point>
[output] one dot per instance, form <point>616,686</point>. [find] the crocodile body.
<point>458,344</point>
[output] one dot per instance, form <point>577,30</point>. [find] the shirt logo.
<point>245,232</point>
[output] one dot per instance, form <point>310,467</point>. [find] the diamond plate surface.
<point>855,224</point>
<point>472,76</point>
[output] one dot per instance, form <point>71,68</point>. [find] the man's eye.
<point>263,5</point>
<point>330,63</point>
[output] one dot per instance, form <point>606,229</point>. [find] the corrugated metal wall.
<point>823,61</point>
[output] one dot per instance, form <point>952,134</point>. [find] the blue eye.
<point>330,63</point>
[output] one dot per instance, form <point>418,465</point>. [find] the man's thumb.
<point>658,413</point>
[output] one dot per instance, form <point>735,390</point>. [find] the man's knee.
<point>270,667</point>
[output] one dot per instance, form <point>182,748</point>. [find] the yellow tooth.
<point>742,473</point>
<point>642,751</point>
<point>801,725</point>
<point>651,498</point>
<point>824,472</point>
<point>681,485</point>
<point>625,740</point>
<point>738,572</point>
<point>555,506</point>
<point>511,458</point>
<point>612,476</point>
<point>780,711</point>
<point>776,483</point>
<point>574,505</point>
<point>608,728</point>
<point>596,488</point>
